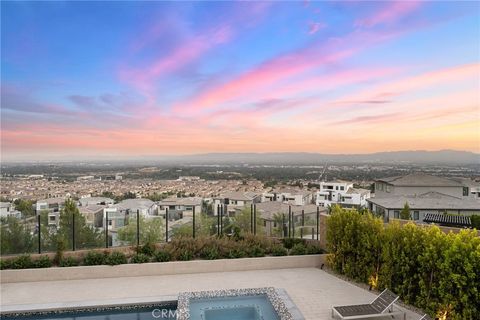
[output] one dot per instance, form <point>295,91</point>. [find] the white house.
<point>289,196</point>
<point>7,209</point>
<point>53,206</point>
<point>342,193</point>
<point>95,200</point>
<point>180,207</point>
<point>145,207</point>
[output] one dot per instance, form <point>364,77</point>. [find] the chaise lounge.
<point>382,306</point>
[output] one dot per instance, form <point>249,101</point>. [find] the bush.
<point>236,253</point>
<point>116,258</point>
<point>140,258</point>
<point>290,242</point>
<point>475,221</point>
<point>279,250</point>
<point>162,256</point>
<point>298,250</point>
<point>93,258</point>
<point>42,262</point>
<point>185,256</point>
<point>210,253</point>
<point>5,264</point>
<point>313,249</point>
<point>147,249</point>
<point>68,262</point>
<point>426,267</point>
<point>256,251</point>
<point>22,262</point>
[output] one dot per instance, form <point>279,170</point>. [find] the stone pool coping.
<point>277,302</point>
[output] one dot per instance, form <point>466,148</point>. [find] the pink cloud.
<point>314,27</point>
<point>390,13</point>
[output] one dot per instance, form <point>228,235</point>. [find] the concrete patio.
<point>313,291</point>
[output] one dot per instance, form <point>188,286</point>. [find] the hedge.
<point>429,269</point>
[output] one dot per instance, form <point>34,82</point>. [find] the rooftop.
<point>429,200</point>
<point>421,180</point>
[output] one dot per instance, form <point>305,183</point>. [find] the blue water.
<point>256,307</point>
<point>135,313</point>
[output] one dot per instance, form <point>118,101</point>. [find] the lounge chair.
<point>382,306</point>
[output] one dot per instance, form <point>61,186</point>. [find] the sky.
<point>130,79</point>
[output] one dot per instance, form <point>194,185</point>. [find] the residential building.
<point>52,206</point>
<point>235,200</point>
<point>342,193</point>
<point>420,205</point>
<point>290,196</point>
<point>179,208</point>
<point>87,201</point>
<point>7,209</point>
<point>145,207</point>
<point>420,183</point>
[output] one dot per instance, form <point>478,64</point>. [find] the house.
<point>52,206</point>
<point>180,207</point>
<point>420,183</point>
<point>273,212</point>
<point>145,207</point>
<point>289,196</point>
<point>95,201</point>
<point>235,200</point>
<point>7,209</point>
<point>429,202</point>
<point>342,193</point>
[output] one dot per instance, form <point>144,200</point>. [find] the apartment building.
<point>235,200</point>
<point>342,193</point>
<point>145,207</point>
<point>289,196</point>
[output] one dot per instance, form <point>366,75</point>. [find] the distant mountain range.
<point>411,157</point>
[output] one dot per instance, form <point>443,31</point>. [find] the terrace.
<point>312,290</point>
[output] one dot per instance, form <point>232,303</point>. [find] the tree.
<point>243,220</point>
<point>151,231</point>
<point>16,237</point>
<point>25,207</point>
<point>405,213</point>
<point>85,236</point>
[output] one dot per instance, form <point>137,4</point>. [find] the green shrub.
<point>256,251</point>
<point>298,250</point>
<point>290,242</point>
<point>42,262</point>
<point>94,258</point>
<point>185,255</point>
<point>5,264</point>
<point>475,221</point>
<point>236,253</point>
<point>162,256</point>
<point>116,258</point>
<point>147,249</point>
<point>140,258</point>
<point>68,262</point>
<point>426,267</point>
<point>22,262</point>
<point>279,250</point>
<point>210,253</point>
<point>313,249</point>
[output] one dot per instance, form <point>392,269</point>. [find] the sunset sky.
<point>93,80</point>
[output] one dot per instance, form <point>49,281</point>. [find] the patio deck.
<point>314,291</point>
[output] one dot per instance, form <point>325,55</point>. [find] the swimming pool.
<point>164,311</point>
<point>234,304</point>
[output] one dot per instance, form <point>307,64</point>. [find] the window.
<point>342,188</point>
<point>465,191</point>
<point>396,214</point>
<point>336,188</point>
<point>416,215</point>
<point>388,188</point>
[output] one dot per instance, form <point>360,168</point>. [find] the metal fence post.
<point>283,225</point>
<point>289,221</point>
<point>138,228</point>
<point>293,224</point>
<point>39,234</point>
<point>194,227</point>
<point>251,217</point>
<point>106,229</point>
<point>318,220</point>
<point>222,207</point>
<point>218,220</point>
<point>166,224</point>
<point>303,223</point>
<point>73,231</point>
<point>254,219</point>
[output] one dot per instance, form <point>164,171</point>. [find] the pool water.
<point>255,307</point>
<point>164,312</point>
